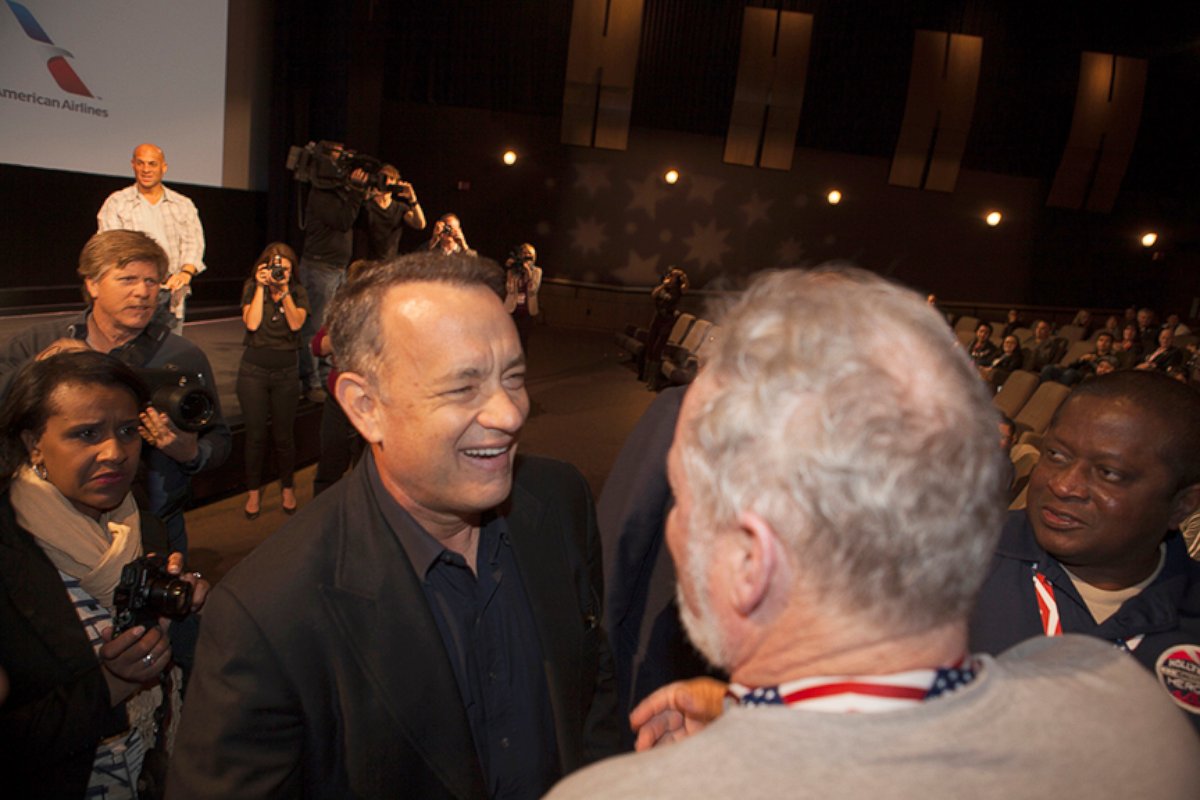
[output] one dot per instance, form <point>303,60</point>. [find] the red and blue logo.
<point>58,65</point>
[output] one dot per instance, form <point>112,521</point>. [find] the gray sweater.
<point>1068,717</point>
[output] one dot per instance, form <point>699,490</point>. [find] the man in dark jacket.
<point>431,625</point>
<point>1097,550</point>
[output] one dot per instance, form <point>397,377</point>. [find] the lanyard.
<point>1048,611</point>
<point>860,693</point>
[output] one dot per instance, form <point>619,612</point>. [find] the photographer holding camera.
<point>338,185</point>
<point>666,297</point>
<point>522,280</point>
<point>448,237</point>
<point>121,272</point>
<point>89,706</point>
<point>273,311</point>
<point>389,210</point>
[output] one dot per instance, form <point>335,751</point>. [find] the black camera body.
<point>146,592</point>
<point>312,164</point>
<point>278,273</point>
<point>182,396</point>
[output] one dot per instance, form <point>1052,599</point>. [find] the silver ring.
<point>148,659</point>
<point>197,575</point>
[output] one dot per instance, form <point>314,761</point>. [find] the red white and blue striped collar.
<point>860,693</point>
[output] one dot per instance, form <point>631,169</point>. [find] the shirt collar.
<point>421,548</point>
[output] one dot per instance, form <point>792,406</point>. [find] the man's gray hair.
<point>842,412</point>
<point>354,313</point>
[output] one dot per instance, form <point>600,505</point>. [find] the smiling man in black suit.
<point>431,625</point>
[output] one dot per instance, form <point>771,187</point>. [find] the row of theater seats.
<point>1030,406</point>
<point>686,343</point>
<point>965,327</point>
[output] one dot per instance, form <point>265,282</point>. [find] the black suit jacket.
<point>58,708</point>
<point>321,673</point>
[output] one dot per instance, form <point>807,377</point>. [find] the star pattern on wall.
<point>789,252</point>
<point>588,236</point>
<point>755,209</point>
<point>591,178</point>
<point>647,194</point>
<point>638,270</point>
<point>703,188</point>
<point>706,244</point>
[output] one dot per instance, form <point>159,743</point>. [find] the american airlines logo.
<point>60,69</point>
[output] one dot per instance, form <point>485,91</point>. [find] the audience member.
<point>1044,348</point>
<point>432,624</point>
<point>81,717</point>
<point>522,280</point>
<point>836,510</point>
<point>168,218</point>
<point>1147,329</point>
<point>1096,549</point>
<point>333,204</point>
<point>121,271</point>
<point>273,311</point>
<point>1083,320</point>
<point>983,351</point>
<point>1112,326</point>
<point>1175,325</point>
<point>1084,366</point>
<point>1165,356</point>
<point>1008,437</point>
<point>388,212</point>
<point>1129,348</point>
<point>1003,362</point>
<point>1012,321</point>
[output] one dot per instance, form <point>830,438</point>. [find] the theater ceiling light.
<point>834,197</point>
<point>671,176</point>
<point>993,218</point>
<point>1149,238</point>
<point>509,157</point>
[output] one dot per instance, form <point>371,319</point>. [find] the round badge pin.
<point>1178,670</point>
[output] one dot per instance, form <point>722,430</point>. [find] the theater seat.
<point>634,340</point>
<point>1076,351</point>
<point>1035,415</point>
<point>1015,392</point>
<point>1072,333</point>
<point>681,364</point>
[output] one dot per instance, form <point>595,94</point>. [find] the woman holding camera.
<point>86,710</point>
<point>273,310</point>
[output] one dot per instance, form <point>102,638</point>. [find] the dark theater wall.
<point>48,215</point>
<point>452,84</point>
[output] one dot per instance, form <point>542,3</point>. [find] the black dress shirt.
<point>491,638</point>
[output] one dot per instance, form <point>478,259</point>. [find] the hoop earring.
<point>39,469</point>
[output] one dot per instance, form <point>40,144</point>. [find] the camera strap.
<point>143,347</point>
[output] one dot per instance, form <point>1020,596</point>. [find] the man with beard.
<point>835,516</point>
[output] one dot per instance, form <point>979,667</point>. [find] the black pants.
<point>267,393</point>
<point>340,446</point>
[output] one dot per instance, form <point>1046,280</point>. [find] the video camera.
<point>146,592</point>
<point>328,165</point>
<point>182,396</point>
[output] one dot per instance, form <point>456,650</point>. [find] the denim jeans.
<point>320,281</point>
